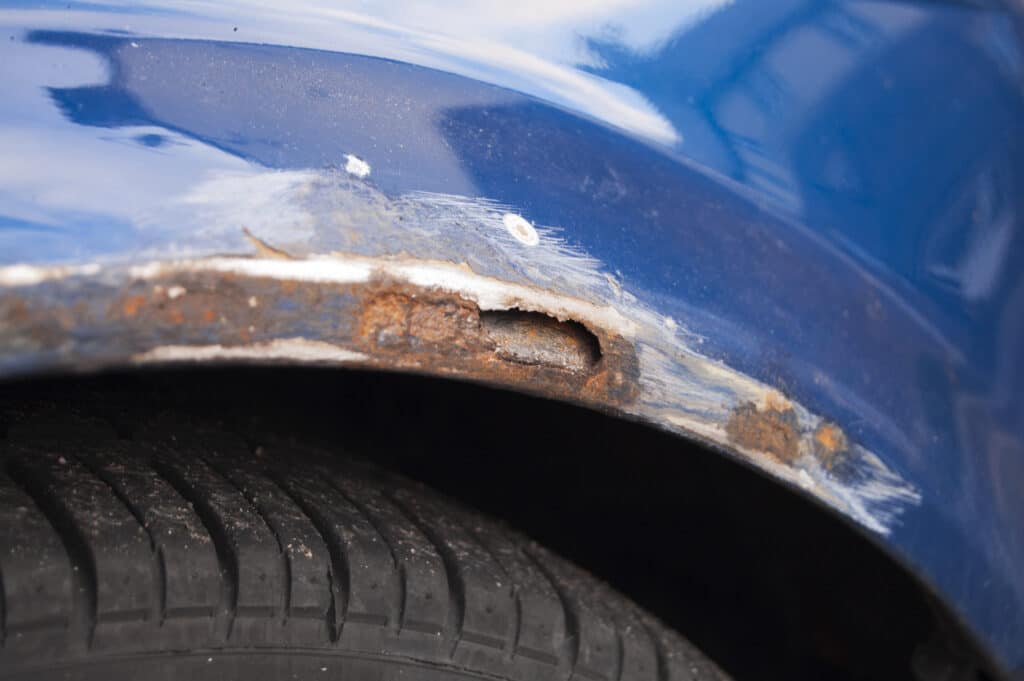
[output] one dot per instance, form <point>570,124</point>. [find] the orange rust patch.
<point>830,437</point>
<point>131,306</point>
<point>438,332</point>
<point>771,430</point>
<point>829,443</point>
<point>418,320</point>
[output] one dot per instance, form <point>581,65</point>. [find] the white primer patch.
<point>356,166</point>
<point>294,349</point>
<point>521,229</point>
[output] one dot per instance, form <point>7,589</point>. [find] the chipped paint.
<point>434,284</point>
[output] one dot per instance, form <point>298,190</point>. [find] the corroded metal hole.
<point>538,339</point>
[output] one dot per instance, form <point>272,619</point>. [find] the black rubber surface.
<point>182,553</point>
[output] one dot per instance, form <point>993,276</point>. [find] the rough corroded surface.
<point>386,324</point>
<point>400,326</point>
<point>772,430</point>
<point>831,445</point>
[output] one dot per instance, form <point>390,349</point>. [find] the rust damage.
<point>831,446</point>
<point>431,330</point>
<point>772,429</point>
<point>387,323</point>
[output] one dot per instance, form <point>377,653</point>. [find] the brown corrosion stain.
<point>772,430</point>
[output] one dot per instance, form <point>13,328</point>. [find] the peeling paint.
<point>434,284</point>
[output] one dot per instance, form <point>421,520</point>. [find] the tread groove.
<point>336,615</point>
<point>161,585</point>
<point>3,611</point>
<point>211,584</point>
<point>84,584</point>
<point>660,654</point>
<point>227,556</point>
<point>453,573</point>
<point>571,618</point>
<point>399,617</point>
<point>512,640</point>
<point>286,568</point>
<point>620,650</point>
<point>517,625</point>
<point>161,575</point>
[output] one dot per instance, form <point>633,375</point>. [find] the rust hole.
<point>538,339</point>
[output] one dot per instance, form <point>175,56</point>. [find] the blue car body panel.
<point>828,196</point>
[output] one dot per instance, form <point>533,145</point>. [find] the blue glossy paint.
<point>830,193</point>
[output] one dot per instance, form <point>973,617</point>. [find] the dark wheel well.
<point>769,584</point>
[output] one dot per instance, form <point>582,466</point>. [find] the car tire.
<point>186,552</point>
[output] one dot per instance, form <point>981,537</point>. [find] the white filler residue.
<point>356,166</point>
<point>521,229</point>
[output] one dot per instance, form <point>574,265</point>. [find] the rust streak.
<point>265,250</point>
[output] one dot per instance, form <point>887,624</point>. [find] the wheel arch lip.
<point>486,229</point>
